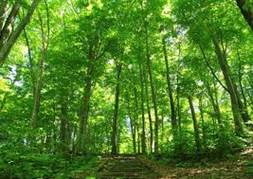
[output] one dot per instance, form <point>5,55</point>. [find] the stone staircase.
<point>124,167</point>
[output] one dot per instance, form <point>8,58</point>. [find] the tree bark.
<point>63,127</point>
<point>151,141</point>
<point>204,132</point>
<point>115,134</point>
<point>195,126</point>
<point>4,51</point>
<point>132,124</point>
<point>247,12</point>
<point>39,81</point>
<point>6,30</point>
<point>136,119</point>
<point>152,86</point>
<point>238,111</point>
<point>215,105</point>
<point>143,135</point>
<point>170,92</point>
<point>3,9</point>
<point>84,110</point>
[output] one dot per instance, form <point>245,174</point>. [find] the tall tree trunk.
<point>39,81</point>
<point>84,110</point>
<point>37,97</point>
<point>215,105</point>
<point>138,139</point>
<point>133,132</point>
<point>136,119</point>
<point>238,112</point>
<point>132,123</point>
<point>170,93</point>
<point>148,110</point>
<point>246,10</point>
<point>3,9</point>
<point>204,138</point>
<point>6,30</point>
<point>143,135</point>
<point>115,134</point>
<point>178,105</point>
<point>37,92</point>
<point>243,104</point>
<point>195,126</point>
<point>4,51</point>
<point>152,86</point>
<point>162,128</point>
<point>63,127</point>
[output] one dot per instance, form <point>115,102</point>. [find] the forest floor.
<point>238,166</point>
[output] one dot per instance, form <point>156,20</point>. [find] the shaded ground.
<point>236,166</point>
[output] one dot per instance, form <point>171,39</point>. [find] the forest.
<point>126,89</point>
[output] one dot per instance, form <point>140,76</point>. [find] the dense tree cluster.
<point>126,76</point>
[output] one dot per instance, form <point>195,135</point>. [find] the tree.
<point>115,126</point>
<point>245,7</point>
<point>9,37</point>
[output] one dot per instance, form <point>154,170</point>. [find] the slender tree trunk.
<point>243,104</point>
<point>246,10</point>
<point>148,110</point>
<point>84,110</point>
<point>204,138</point>
<point>132,124</point>
<point>250,96</point>
<point>133,131</point>
<point>237,112</point>
<point>63,127</point>
<point>162,128</point>
<point>92,55</point>
<point>143,135</point>
<point>31,61</point>
<point>170,93</point>
<point>115,134</point>
<point>215,105</point>
<point>136,119</point>
<point>4,51</point>
<point>3,9</point>
<point>195,126</point>
<point>39,81</point>
<point>37,92</point>
<point>6,30</point>
<point>138,139</point>
<point>179,146</point>
<point>36,100</point>
<point>152,86</point>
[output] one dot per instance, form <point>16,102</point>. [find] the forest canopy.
<point>171,78</point>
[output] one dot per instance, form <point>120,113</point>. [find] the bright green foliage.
<point>181,71</point>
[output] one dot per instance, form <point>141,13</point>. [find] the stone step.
<point>126,170</point>
<point>125,167</point>
<point>108,176</point>
<point>128,175</point>
<point>120,158</point>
